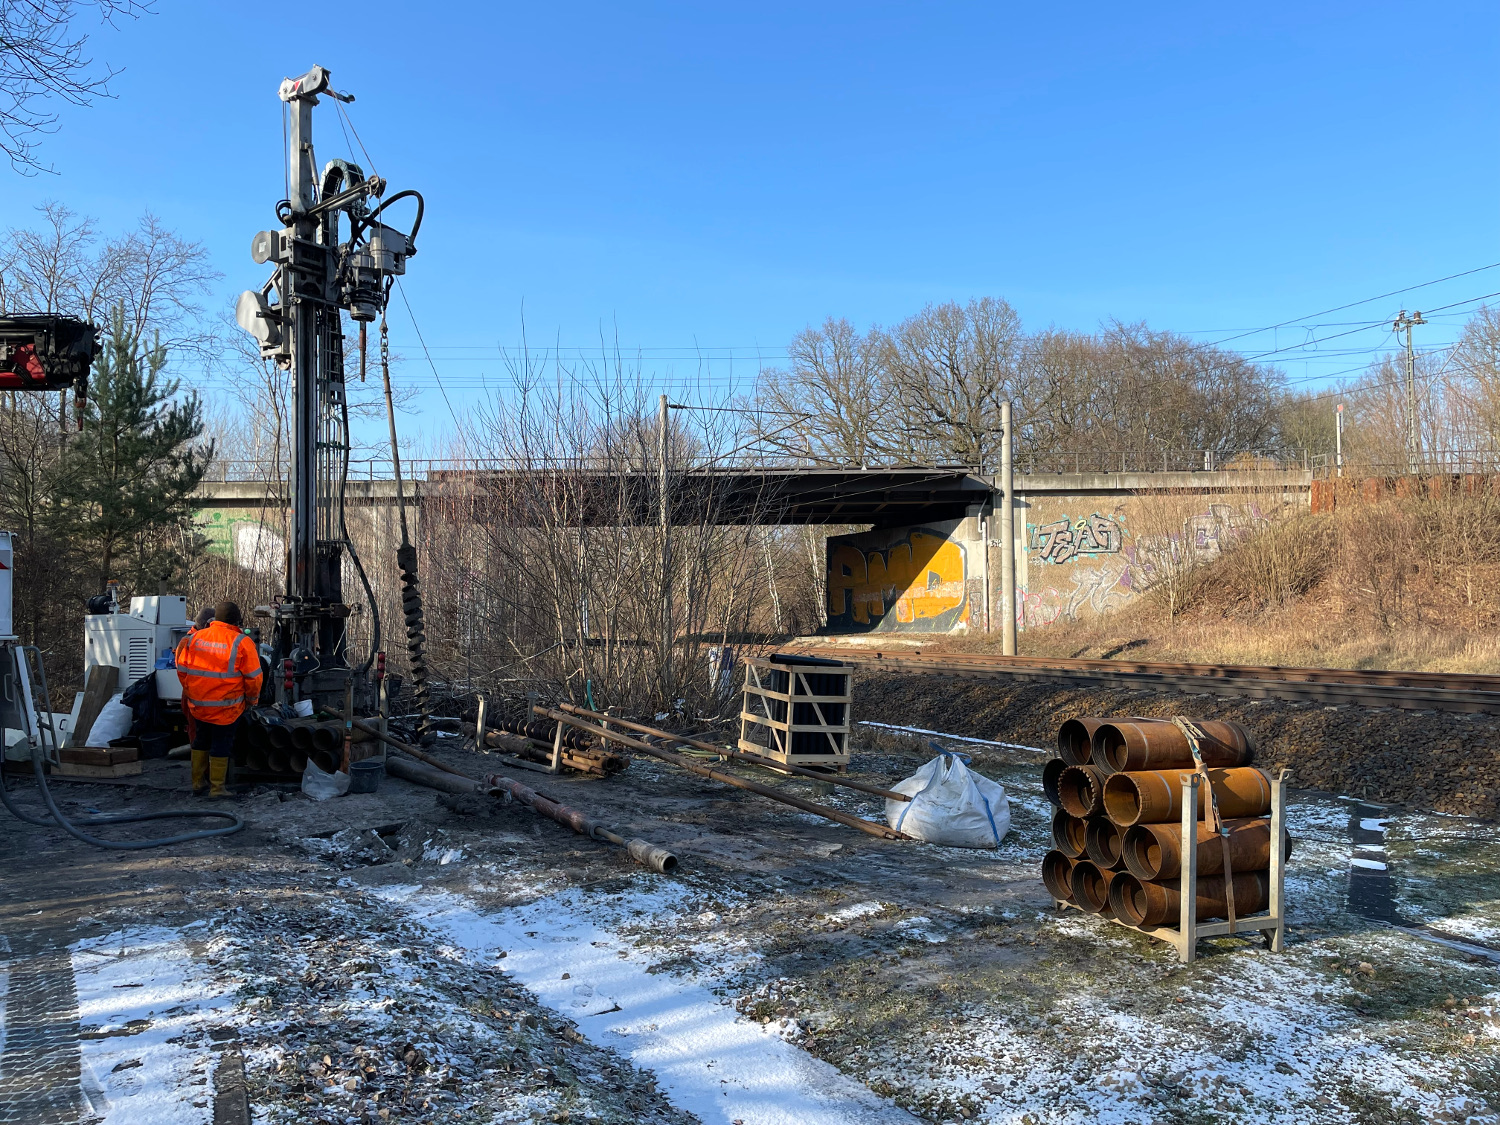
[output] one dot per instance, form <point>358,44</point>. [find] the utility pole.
<point>1413,438</point>
<point>1338,440</point>
<point>666,552</point>
<point>1007,530</point>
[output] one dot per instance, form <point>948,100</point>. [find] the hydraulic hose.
<point>359,567</point>
<point>58,820</point>
<point>411,238</point>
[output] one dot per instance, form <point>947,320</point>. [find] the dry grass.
<point>1410,584</point>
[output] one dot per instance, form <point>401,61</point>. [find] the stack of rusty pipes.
<point>1118,785</point>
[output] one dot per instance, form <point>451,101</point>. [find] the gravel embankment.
<point>1422,760</point>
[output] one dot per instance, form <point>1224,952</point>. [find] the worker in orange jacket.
<point>220,672</point>
<point>202,621</point>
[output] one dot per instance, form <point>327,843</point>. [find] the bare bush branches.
<point>42,58</point>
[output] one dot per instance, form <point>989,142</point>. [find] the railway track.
<point>1414,691</point>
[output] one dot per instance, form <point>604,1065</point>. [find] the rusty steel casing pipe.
<point>1140,903</point>
<point>1075,738</point>
<point>1103,842</point>
<point>302,736</point>
<point>1069,834</point>
<point>1080,791</point>
<point>1050,773</point>
<point>1154,851</point>
<point>279,736</point>
<point>1155,796</point>
<point>1122,746</point>
<point>1090,885</point>
<point>1057,875</point>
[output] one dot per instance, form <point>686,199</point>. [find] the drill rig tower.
<point>320,272</point>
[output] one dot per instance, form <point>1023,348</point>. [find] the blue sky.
<point>708,179</point>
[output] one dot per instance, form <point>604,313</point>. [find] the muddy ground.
<point>410,956</point>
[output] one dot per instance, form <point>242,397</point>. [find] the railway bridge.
<point>910,549</point>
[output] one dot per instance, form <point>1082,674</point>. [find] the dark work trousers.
<point>216,738</point>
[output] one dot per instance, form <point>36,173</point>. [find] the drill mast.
<point>319,274</point>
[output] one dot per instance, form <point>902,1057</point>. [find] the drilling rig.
<point>332,256</point>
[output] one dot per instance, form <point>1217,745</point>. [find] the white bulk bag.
<point>951,805</point>
<point>114,721</point>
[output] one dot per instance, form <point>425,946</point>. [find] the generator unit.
<point>134,642</point>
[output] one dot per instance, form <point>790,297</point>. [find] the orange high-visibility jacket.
<point>220,673</point>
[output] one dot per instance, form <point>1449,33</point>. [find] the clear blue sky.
<point>707,177</point>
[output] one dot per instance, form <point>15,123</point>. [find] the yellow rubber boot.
<point>200,772</point>
<point>218,769</point>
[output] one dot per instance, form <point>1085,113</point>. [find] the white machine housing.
<point>132,641</point>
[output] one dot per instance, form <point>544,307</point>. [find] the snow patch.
<point>569,950</point>
<point>144,1002</point>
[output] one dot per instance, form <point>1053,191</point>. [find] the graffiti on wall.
<point>1064,540</point>
<point>915,583</point>
<point>244,540</point>
<point>1108,571</point>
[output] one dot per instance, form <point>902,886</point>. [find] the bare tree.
<point>950,367</point>
<point>41,59</point>
<point>63,265</point>
<point>832,403</point>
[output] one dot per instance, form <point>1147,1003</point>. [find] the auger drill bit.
<point>416,634</point>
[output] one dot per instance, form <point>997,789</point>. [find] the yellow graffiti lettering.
<point>920,579</point>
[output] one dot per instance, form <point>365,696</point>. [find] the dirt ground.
<point>412,956</point>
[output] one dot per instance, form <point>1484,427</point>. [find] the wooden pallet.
<point>98,756</point>
<point>74,769</point>
<point>760,703</point>
<point>1271,924</point>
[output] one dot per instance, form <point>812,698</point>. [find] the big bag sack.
<point>951,805</point>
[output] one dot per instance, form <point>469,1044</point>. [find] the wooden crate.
<point>1272,923</point>
<point>796,711</point>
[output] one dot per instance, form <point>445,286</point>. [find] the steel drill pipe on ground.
<point>301,736</point>
<point>1140,903</point>
<point>279,759</point>
<point>1057,875</point>
<point>1069,834</point>
<point>1050,773</point>
<point>738,755</point>
<point>597,760</point>
<point>279,736</point>
<point>644,852</point>
<point>543,732</point>
<point>866,826</point>
<point>1090,885</point>
<point>447,779</point>
<point>1155,796</point>
<point>1154,851</point>
<point>1122,746</point>
<point>1103,843</point>
<point>1080,791</point>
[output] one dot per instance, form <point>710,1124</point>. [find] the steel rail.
<point>1416,691</point>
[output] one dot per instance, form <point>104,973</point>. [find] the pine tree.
<point>130,472</point>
